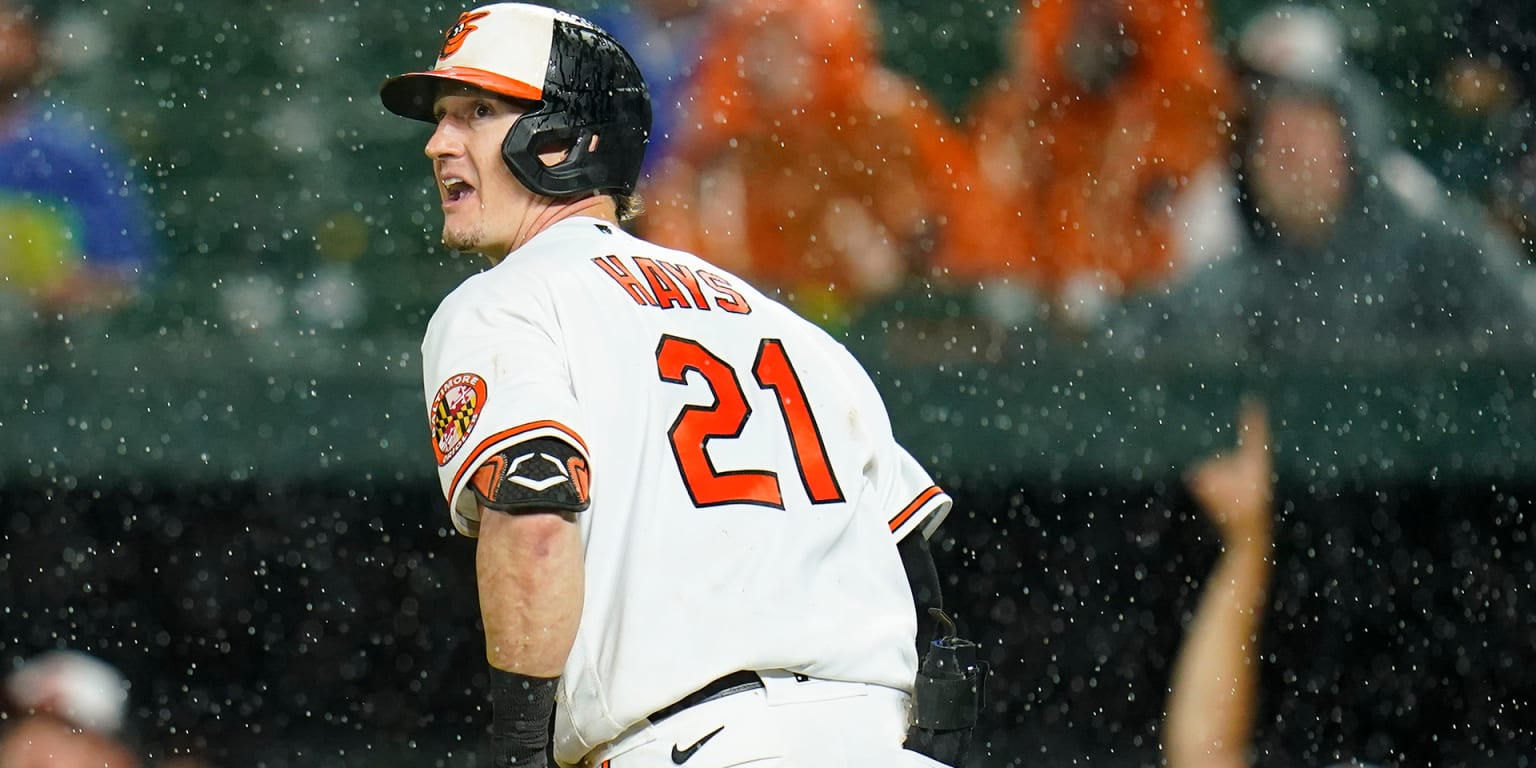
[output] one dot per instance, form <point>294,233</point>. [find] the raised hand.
<point>1236,488</point>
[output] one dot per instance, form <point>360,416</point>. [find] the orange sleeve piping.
<point>911,509</point>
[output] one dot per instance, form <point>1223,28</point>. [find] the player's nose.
<point>444,142</point>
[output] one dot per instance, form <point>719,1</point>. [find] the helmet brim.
<point>412,95</point>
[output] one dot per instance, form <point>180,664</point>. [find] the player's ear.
<point>553,155</point>
<point>557,153</point>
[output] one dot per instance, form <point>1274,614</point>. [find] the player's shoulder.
<point>566,251</point>
<point>493,286</point>
<point>488,298</point>
<point>575,233</point>
<point>527,280</point>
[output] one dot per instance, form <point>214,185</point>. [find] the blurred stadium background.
<point>226,489</point>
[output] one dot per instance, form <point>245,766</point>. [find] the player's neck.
<point>594,206</point>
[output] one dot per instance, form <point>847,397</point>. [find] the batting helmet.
<point>578,81</point>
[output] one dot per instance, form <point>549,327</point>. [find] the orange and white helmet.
<point>578,81</point>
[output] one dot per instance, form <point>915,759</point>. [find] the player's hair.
<point>628,206</point>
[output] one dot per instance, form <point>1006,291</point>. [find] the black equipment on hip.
<point>947,696</point>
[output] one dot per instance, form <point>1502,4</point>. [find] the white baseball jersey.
<point>745,489</point>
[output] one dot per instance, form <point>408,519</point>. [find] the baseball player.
<point>699,543</point>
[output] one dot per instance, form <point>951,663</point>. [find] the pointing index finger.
<point>1253,424</point>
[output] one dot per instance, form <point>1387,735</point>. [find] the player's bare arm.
<point>529,571</point>
<point>530,575</point>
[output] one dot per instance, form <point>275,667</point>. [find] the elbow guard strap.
<point>540,475</point>
<point>523,710</point>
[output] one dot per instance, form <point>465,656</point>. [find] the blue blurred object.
<point>66,201</point>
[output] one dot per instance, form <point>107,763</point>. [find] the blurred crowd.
<point>1128,176</point>
<point>75,233</point>
<point>1127,172</point>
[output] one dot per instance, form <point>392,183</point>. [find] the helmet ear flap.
<point>584,168</point>
<point>545,130</point>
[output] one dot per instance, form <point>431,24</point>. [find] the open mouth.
<point>456,189</point>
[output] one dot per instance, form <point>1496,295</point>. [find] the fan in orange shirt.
<point>807,165</point>
<point>1085,142</point>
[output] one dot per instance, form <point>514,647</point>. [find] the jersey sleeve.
<point>906,495</point>
<point>926,504</point>
<point>495,376</point>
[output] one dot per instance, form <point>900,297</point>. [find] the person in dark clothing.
<point>1346,247</point>
<point>1488,89</point>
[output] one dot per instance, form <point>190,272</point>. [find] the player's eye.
<point>484,109</point>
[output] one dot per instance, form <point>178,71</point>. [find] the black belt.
<point>735,682</point>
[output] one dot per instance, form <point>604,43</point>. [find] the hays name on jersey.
<point>666,285</point>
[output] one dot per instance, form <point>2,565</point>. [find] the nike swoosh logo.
<point>680,756</point>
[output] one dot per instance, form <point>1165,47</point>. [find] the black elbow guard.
<point>540,475</point>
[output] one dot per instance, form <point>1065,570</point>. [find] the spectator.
<point>1213,694</point>
<point>1214,691</point>
<point>1512,201</point>
<point>810,167</point>
<point>1347,247</point>
<point>65,710</point>
<point>1086,143</point>
<point>72,234</point>
<point>1490,90</point>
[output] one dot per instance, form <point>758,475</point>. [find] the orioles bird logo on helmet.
<point>459,31</point>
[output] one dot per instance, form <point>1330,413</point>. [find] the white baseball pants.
<point>785,724</point>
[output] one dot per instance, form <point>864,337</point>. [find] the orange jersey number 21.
<point>725,419</point>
